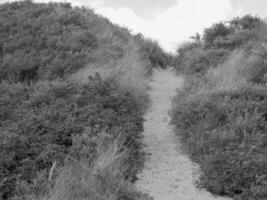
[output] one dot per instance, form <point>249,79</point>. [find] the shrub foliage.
<point>39,126</point>
<point>59,136</point>
<point>220,116</point>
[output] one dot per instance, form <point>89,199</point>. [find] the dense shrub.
<point>226,133</point>
<point>220,116</point>
<point>44,41</point>
<point>52,41</point>
<point>232,34</point>
<point>53,118</point>
<point>218,42</point>
<point>38,126</point>
<point>198,60</point>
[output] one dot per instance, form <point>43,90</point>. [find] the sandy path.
<point>168,173</point>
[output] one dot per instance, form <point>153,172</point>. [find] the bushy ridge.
<point>54,41</point>
<point>50,41</point>
<point>72,96</point>
<point>218,42</point>
<point>221,115</point>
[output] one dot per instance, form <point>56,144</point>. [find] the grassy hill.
<point>221,115</point>
<point>72,96</point>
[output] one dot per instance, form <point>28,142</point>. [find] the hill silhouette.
<point>72,98</point>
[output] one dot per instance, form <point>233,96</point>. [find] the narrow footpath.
<point>168,173</point>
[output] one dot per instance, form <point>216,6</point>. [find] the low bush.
<point>221,114</point>
<point>226,133</point>
<point>39,129</point>
<point>197,60</point>
<point>52,116</point>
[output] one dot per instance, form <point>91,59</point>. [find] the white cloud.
<point>175,24</point>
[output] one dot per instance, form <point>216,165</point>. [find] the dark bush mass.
<point>56,128</point>
<point>220,116</point>
<point>44,41</point>
<point>51,41</point>
<point>39,129</point>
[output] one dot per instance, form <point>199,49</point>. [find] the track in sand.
<point>168,173</point>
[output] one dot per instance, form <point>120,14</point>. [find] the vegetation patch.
<point>220,116</point>
<point>58,122</point>
<point>72,98</point>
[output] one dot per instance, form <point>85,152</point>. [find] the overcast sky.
<point>171,21</point>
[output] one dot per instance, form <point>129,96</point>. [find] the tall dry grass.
<point>229,75</point>
<point>101,180</point>
<point>131,72</point>
<point>238,71</point>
